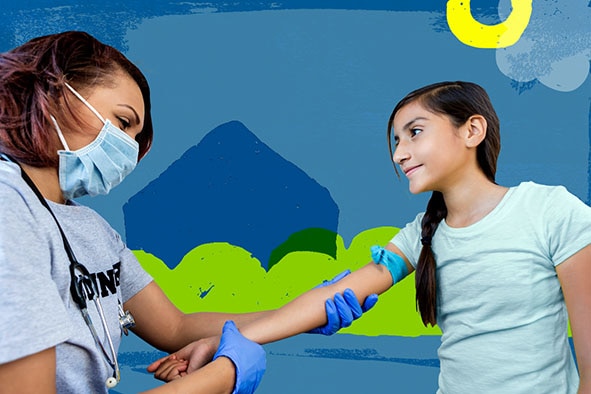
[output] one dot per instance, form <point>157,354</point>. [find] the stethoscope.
<point>79,280</point>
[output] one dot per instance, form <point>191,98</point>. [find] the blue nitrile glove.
<point>345,308</point>
<point>248,357</point>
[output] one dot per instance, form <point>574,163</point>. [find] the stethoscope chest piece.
<point>126,320</point>
<point>111,382</point>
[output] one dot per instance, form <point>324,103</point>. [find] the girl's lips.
<point>409,171</point>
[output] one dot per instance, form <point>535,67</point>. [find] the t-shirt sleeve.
<point>134,277</point>
<point>567,225</point>
<point>33,315</point>
<point>408,240</point>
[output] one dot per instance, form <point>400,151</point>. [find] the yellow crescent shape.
<point>473,33</point>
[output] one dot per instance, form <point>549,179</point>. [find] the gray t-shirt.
<point>500,304</point>
<point>36,308</point>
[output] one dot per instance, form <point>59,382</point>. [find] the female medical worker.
<point>74,121</point>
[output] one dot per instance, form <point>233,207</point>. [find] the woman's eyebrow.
<point>137,117</point>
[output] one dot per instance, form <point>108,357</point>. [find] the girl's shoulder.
<point>554,205</point>
<point>534,187</point>
<point>532,191</point>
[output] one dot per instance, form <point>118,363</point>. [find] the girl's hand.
<point>170,368</point>
<point>186,360</point>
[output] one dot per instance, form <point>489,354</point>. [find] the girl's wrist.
<point>226,370</point>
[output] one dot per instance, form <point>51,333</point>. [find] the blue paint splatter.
<point>365,355</point>
<point>21,21</point>
<point>521,87</point>
<point>138,359</point>
<point>204,293</point>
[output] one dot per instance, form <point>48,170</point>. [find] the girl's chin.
<point>415,189</point>
<point>418,189</point>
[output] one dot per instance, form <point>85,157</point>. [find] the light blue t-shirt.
<point>36,309</point>
<point>500,305</point>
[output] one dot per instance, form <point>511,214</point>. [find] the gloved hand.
<point>345,308</point>
<point>248,357</point>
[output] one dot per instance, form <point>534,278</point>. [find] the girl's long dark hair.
<point>458,101</point>
<point>32,87</point>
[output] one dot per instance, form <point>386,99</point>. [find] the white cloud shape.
<point>555,48</point>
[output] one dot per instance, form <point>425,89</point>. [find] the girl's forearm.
<point>308,310</point>
<point>217,377</point>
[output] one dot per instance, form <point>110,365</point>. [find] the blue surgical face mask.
<point>99,166</point>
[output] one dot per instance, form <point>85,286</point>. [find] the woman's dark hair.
<point>32,86</point>
<point>458,101</point>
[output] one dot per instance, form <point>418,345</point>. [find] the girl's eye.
<point>415,131</point>
<point>124,123</point>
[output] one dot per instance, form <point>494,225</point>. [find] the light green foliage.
<point>226,278</point>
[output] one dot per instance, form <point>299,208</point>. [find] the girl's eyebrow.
<point>408,124</point>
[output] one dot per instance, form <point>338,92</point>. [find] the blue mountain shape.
<point>233,188</point>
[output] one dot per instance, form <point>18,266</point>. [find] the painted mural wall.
<point>270,169</point>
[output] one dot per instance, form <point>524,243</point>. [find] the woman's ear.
<point>476,130</point>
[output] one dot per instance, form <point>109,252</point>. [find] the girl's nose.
<point>400,153</point>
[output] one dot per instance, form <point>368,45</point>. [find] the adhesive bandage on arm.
<point>394,263</point>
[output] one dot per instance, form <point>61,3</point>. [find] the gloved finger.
<point>353,303</point>
<point>344,310</point>
<point>340,276</point>
<point>335,279</point>
<point>333,319</point>
<point>369,302</point>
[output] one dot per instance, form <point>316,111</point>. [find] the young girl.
<point>497,268</point>
<point>74,120</point>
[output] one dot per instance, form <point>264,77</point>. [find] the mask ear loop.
<point>59,133</point>
<point>90,107</point>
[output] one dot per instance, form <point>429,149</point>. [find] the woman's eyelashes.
<point>124,123</point>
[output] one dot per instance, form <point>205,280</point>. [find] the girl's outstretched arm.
<point>307,311</point>
<point>298,316</point>
<point>575,278</point>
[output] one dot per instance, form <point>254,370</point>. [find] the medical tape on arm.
<point>394,263</point>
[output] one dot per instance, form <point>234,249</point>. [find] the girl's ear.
<point>476,130</point>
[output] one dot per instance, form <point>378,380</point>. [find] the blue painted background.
<point>315,82</point>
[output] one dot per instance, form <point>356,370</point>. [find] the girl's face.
<point>430,149</point>
<point>121,102</point>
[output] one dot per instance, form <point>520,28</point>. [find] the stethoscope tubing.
<point>77,288</point>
